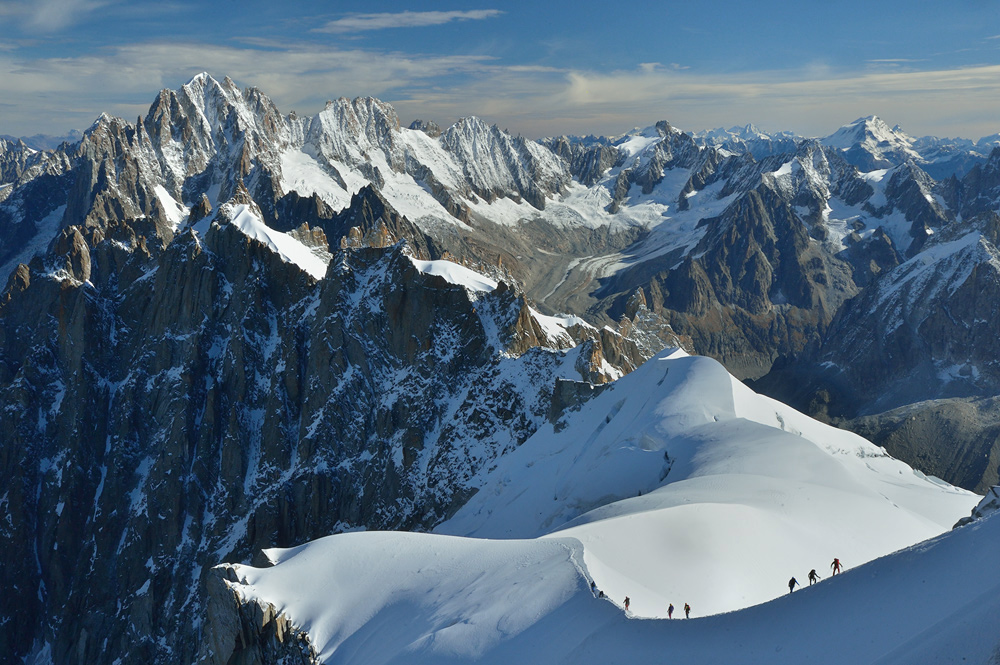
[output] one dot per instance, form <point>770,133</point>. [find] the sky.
<point>537,68</point>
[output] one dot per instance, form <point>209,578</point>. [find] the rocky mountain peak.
<point>200,210</point>
<point>349,131</point>
<point>588,161</point>
<point>208,93</point>
<point>365,117</point>
<point>869,143</point>
<point>207,121</point>
<point>7,146</point>
<point>71,245</point>
<point>370,221</point>
<point>428,127</point>
<point>663,128</point>
<point>499,165</point>
<point>979,190</point>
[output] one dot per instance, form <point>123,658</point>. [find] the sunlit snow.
<point>176,213</point>
<point>676,484</point>
<point>287,247</point>
<point>455,274</point>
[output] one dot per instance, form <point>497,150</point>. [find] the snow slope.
<point>379,598</point>
<point>454,599</point>
<point>677,484</point>
<point>738,492</point>
<point>242,217</point>
<point>456,274</point>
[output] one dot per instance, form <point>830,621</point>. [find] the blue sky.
<point>537,68</point>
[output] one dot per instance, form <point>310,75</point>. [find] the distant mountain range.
<point>867,143</point>
<point>224,328</point>
<point>44,141</point>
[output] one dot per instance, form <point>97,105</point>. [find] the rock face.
<point>486,198</point>
<point>911,361</point>
<point>248,632</point>
<point>990,504</point>
<point>757,284</point>
<point>923,330</point>
<point>588,161</point>
<point>370,221</point>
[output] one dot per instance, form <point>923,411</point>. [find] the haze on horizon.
<point>534,68</point>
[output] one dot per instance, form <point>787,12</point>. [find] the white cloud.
<point>54,95</point>
<point>49,15</point>
<point>407,19</point>
<point>813,101</point>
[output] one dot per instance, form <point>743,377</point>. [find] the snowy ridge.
<point>528,601</point>
<point>873,134</point>
<point>290,250</point>
<point>706,453</point>
<point>931,276</point>
<point>736,494</point>
<point>428,592</point>
<point>456,274</point>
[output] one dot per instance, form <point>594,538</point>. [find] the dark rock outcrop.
<point>240,632</point>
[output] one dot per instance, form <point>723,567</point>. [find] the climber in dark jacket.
<point>791,584</point>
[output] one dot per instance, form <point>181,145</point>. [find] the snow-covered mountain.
<point>581,224</point>
<point>871,144</point>
<point>675,485</point>
<point>748,138</point>
<point>868,143</point>
<point>711,462</point>
<point>225,328</point>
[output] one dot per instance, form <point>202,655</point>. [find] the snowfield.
<point>456,274</point>
<point>676,484</point>
<point>395,598</point>
<point>290,250</point>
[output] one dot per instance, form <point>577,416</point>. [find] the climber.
<point>813,577</point>
<point>836,566</point>
<point>791,584</point>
